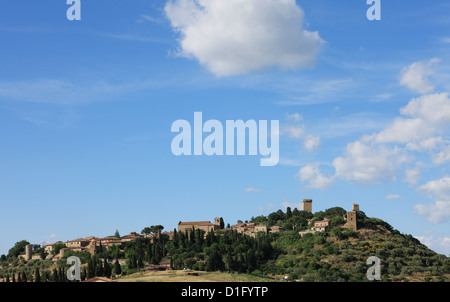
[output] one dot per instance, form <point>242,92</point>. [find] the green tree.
<point>117,267</point>
<point>54,276</point>
<point>106,269</point>
<point>24,277</point>
<point>146,231</point>
<point>116,234</point>
<point>57,247</point>
<point>37,275</point>
<point>18,248</point>
<point>83,274</point>
<point>43,253</point>
<point>288,213</point>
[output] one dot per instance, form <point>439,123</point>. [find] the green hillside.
<point>336,254</point>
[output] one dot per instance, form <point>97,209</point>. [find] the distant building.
<point>319,226</point>
<point>202,225</point>
<point>307,205</point>
<point>252,229</point>
<point>351,221</point>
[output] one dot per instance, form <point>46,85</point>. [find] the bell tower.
<point>216,223</point>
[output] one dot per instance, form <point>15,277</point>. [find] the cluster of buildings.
<point>91,244</point>
<point>250,229</point>
<point>322,225</point>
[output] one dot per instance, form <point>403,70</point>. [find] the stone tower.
<point>217,223</point>
<point>28,251</point>
<point>351,221</point>
<point>307,205</point>
<point>355,207</point>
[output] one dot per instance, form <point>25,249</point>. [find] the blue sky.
<point>86,109</point>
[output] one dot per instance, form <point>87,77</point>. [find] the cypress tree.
<point>42,253</point>
<point>99,268</point>
<point>288,213</point>
<point>83,274</point>
<point>106,269</point>
<point>37,275</point>
<point>149,251</point>
<point>117,267</point>
<point>91,268</point>
<point>62,277</point>
<point>54,276</point>
<point>175,237</point>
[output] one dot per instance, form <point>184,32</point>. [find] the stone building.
<point>252,229</point>
<point>78,245</point>
<point>355,207</point>
<point>319,226</point>
<point>307,205</point>
<point>351,221</point>
<point>28,251</point>
<point>206,226</point>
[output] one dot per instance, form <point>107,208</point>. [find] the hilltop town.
<point>298,244</point>
<point>94,244</point>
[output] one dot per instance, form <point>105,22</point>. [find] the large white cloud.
<point>372,158</point>
<point>369,164</point>
<point>236,37</point>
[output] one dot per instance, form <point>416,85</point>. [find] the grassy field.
<point>182,276</point>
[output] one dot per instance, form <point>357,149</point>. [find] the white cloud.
<point>441,157</point>
<point>393,196</point>
<point>311,142</point>
<point>237,37</point>
<point>433,108</point>
<point>438,244</point>
<point>312,175</point>
<point>435,213</point>
<point>392,151</point>
<point>439,190</point>
<point>427,144</point>
<point>298,131</point>
<point>416,76</point>
<point>403,130</point>
<point>369,164</point>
